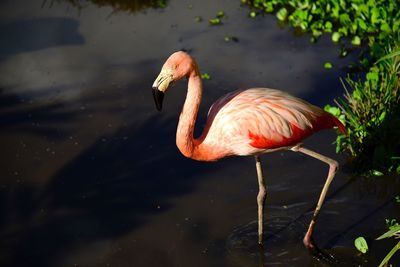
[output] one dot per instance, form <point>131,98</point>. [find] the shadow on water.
<point>106,191</point>
<point>131,6</point>
<point>39,33</point>
<point>51,119</point>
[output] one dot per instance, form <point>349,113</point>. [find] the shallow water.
<point>91,176</point>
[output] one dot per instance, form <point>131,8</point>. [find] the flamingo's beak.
<point>158,98</point>
<point>160,86</point>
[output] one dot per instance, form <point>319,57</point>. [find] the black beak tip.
<point>158,98</point>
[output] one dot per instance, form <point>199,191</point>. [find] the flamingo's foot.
<point>309,243</point>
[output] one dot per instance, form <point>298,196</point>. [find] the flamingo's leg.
<point>333,166</point>
<point>262,193</point>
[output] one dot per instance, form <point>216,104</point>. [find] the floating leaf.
<point>215,21</point>
<point>253,14</point>
<point>231,38</point>
<point>361,244</point>
<point>336,37</point>
<point>356,40</point>
<point>328,26</point>
<point>282,14</point>
<point>328,65</point>
<point>206,76</point>
<point>220,14</point>
<point>376,173</point>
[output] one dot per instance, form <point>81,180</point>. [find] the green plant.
<point>394,231</point>
<point>217,20</point>
<point>205,76</point>
<point>361,244</point>
<point>371,112</point>
<point>361,21</point>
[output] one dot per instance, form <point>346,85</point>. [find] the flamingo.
<point>246,122</point>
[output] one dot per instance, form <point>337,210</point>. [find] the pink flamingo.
<point>246,122</point>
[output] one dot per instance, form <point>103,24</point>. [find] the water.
<point>91,176</point>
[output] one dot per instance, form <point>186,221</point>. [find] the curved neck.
<point>184,134</point>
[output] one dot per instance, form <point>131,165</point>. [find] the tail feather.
<point>336,122</point>
<point>328,121</point>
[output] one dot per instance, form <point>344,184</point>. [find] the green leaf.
<point>335,111</point>
<point>382,116</point>
<point>344,19</point>
<point>282,14</point>
<point>206,76</point>
<point>356,40</point>
<point>336,37</point>
<point>376,173</point>
<point>391,55</point>
<point>361,244</point>
<point>328,65</point>
<point>390,233</point>
<point>268,7</point>
<point>386,28</point>
<point>220,14</point>
<point>343,51</point>
<point>372,76</point>
<point>390,254</point>
<point>357,94</point>
<point>375,15</point>
<point>215,21</point>
<point>361,24</point>
<point>328,26</point>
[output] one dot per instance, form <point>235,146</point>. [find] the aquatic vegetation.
<point>361,244</point>
<point>371,112</point>
<point>205,76</point>
<point>217,20</point>
<point>394,231</point>
<point>328,65</point>
<point>361,21</point>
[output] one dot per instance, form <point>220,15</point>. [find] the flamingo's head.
<point>177,66</point>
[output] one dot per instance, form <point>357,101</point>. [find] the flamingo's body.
<point>258,120</point>
<point>246,122</point>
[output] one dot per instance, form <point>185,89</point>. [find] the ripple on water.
<point>283,246</point>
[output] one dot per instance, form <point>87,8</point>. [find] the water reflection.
<point>118,5</point>
<point>29,35</point>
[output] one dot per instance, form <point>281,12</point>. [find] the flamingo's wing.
<point>262,118</point>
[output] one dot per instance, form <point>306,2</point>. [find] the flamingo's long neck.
<point>184,135</point>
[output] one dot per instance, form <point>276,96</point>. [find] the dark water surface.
<point>91,176</point>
